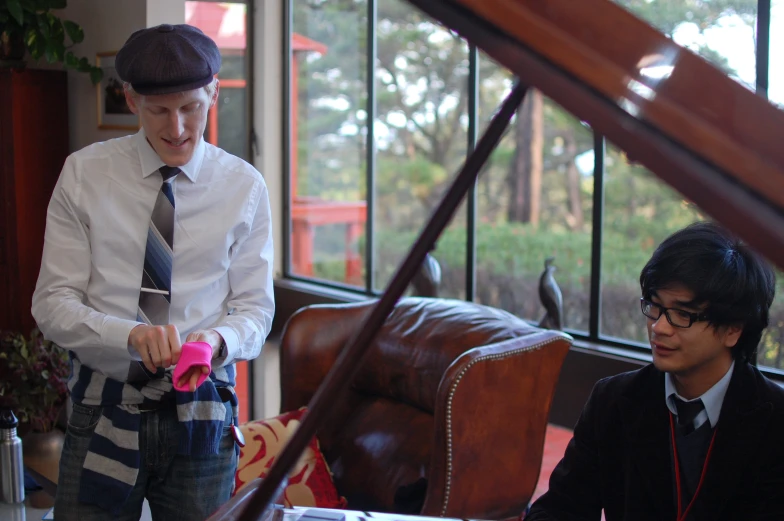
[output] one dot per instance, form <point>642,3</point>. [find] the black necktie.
<point>687,411</point>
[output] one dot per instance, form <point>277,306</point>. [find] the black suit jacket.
<point>620,459</point>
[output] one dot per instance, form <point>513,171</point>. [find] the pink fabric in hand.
<point>194,354</point>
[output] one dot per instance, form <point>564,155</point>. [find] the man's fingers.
<point>190,378</point>
<point>173,342</point>
<point>144,351</point>
<point>155,355</point>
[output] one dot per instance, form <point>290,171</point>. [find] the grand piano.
<point>704,134</point>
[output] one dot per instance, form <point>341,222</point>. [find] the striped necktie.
<point>155,294</point>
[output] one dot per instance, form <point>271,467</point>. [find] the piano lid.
<point>703,133</point>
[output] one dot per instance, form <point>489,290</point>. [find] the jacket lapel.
<point>741,428</point>
<point>647,433</point>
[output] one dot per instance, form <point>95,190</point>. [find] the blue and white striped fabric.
<point>112,463</point>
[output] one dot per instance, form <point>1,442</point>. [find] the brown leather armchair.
<point>447,415</point>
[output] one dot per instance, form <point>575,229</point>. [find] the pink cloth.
<point>193,354</point>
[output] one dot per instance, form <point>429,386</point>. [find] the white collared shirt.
<point>712,399</point>
<point>87,294</point>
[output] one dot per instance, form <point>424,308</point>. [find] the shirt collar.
<point>151,162</point>
<point>712,399</point>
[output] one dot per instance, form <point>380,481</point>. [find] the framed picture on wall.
<point>113,111</point>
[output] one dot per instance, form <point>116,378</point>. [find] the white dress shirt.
<point>87,294</point>
<point>712,399</point>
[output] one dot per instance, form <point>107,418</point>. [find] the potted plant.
<point>30,26</point>
<point>33,384</point>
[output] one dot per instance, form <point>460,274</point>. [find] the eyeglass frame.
<point>693,317</point>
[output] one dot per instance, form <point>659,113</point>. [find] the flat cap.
<point>168,58</point>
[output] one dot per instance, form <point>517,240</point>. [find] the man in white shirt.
<point>153,240</point>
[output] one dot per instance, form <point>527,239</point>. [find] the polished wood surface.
<point>623,57</point>
<point>33,148</point>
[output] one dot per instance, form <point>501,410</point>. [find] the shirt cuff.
<point>115,333</point>
<point>232,344</point>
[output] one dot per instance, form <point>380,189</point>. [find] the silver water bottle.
<point>11,465</point>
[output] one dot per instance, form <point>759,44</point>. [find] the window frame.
<point>315,290</point>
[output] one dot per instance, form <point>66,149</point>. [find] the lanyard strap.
<point>682,517</point>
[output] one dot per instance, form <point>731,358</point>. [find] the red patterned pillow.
<point>310,481</point>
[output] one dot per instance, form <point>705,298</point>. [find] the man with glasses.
<point>699,434</point>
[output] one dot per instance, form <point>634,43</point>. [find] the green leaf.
<point>49,55</point>
<point>71,60</point>
<point>15,8</point>
<point>43,25</point>
<point>57,34</point>
<point>24,352</point>
<point>96,75</point>
<point>58,49</point>
<point>74,31</point>
<point>31,6</point>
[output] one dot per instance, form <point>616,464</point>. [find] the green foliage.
<point>45,35</point>
<point>33,376</point>
<point>510,258</point>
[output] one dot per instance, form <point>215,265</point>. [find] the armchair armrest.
<point>499,394</point>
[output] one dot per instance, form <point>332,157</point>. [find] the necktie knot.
<point>167,172</point>
<point>687,412</point>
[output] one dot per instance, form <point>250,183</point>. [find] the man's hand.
<point>159,346</point>
<point>210,336</point>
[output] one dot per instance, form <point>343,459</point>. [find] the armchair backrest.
<point>447,415</point>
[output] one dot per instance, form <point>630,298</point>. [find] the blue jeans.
<point>177,487</point>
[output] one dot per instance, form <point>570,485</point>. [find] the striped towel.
<point>112,463</point>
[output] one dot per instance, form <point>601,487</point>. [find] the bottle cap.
<point>7,419</point>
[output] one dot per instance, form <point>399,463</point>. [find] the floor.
<point>555,442</point>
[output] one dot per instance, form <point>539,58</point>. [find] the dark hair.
<point>721,271</point>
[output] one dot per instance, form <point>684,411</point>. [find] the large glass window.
<point>226,23</point>
<point>329,126</point>
<point>381,69</point>
<point>776,53</point>
<point>421,137</point>
<point>534,203</point>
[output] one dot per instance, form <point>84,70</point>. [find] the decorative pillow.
<point>310,481</point>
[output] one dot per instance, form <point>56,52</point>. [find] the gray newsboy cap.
<point>168,58</point>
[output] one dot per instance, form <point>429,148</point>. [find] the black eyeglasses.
<point>676,317</point>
